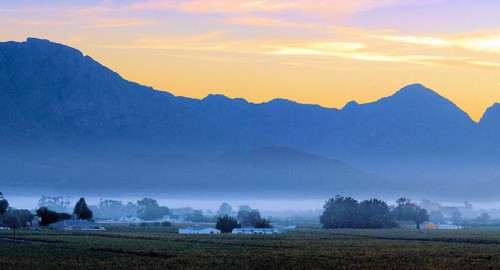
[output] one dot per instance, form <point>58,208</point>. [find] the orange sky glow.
<point>320,52</point>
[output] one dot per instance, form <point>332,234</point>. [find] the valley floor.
<point>306,248</point>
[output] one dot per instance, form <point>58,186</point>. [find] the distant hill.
<point>74,121</point>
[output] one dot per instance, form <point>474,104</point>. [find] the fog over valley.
<point>77,128</point>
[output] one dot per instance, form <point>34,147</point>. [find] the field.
<point>162,248</point>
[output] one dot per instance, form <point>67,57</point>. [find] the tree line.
<point>347,212</point>
<point>17,218</point>
<point>81,211</point>
<point>246,217</point>
<point>13,218</point>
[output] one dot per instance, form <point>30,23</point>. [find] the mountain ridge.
<point>60,104</point>
<point>92,100</point>
<point>39,41</point>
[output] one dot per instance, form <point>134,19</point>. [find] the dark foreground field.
<point>160,248</point>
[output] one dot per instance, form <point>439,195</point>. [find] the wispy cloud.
<point>474,42</point>
<point>118,22</point>
<point>352,51</point>
<point>61,9</point>
<point>315,48</point>
<point>218,6</point>
<point>325,7</point>
<point>27,22</point>
<point>263,21</point>
<point>485,63</point>
<point>203,41</point>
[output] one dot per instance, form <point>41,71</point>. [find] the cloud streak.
<point>323,7</point>
<point>118,22</point>
<point>474,42</point>
<point>354,51</point>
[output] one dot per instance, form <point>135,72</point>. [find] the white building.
<point>198,230</point>
<point>174,219</point>
<point>76,225</point>
<point>448,227</point>
<point>133,219</point>
<point>256,231</point>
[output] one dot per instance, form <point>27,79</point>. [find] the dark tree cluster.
<point>148,209</point>
<point>225,209</point>
<point>197,216</point>
<point>48,216</point>
<point>346,212</point>
<point>112,209</point>
<point>226,224</point>
<point>13,218</point>
<point>406,210</point>
<point>252,218</point>
<point>4,204</point>
<point>82,211</point>
<point>56,203</point>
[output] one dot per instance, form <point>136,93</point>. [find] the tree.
<point>226,223</point>
<point>58,204</point>
<point>242,215</point>
<point>25,216</point>
<point>48,216</point>
<point>249,219</point>
<point>110,209</point>
<point>483,218</point>
<point>82,211</point>
<point>11,220</point>
<point>148,209</point>
<point>196,216</point>
<point>245,208</point>
<point>4,204</point>
<point>430,205</point>
<point>406,210</point>
<point>375,214</point>
<point>421,216</point>
<point>339,212</point>
<point>130,209</point>
<point>225,209</point>
<point>263,223</point>
<point>456,217</point>
<point>436,216</point>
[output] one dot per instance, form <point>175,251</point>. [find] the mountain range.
<point>66,122</point>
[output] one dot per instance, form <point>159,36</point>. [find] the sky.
<point>317,52</point>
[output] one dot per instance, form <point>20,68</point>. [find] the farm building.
<point>198,230</point>
<point>406,224</point>
<point>428,225</point>
<point>133,219</point>
<point>255,231</point>
<point>76,225</point>
<point>174,218</point>
<point>448,227</point>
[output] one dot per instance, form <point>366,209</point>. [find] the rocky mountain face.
<point>76,113</point>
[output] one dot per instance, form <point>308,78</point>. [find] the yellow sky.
<point>321,52</point>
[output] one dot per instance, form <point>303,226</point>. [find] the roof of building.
<point>406,222</point>
<point>427,223</point>
<point>73,222</point>
<point>197,228</point>
<point>251,228</point>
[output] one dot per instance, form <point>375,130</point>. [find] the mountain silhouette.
<point>68,118</point>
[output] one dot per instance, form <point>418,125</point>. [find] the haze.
<point>424,124</point>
